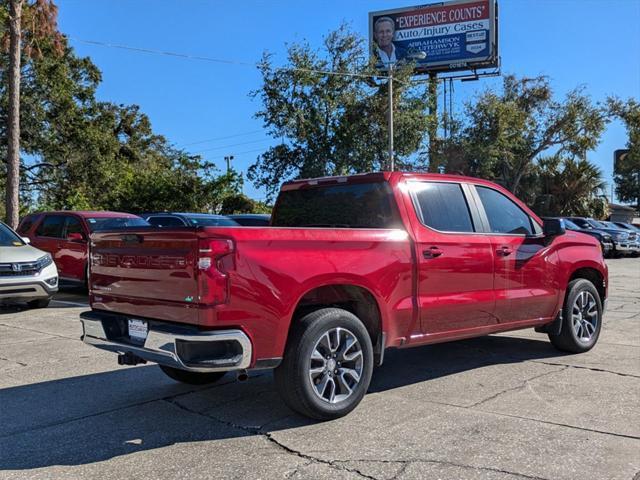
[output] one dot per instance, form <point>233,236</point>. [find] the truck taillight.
<point>212,277</point>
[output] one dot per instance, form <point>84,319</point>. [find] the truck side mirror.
<point>552,227</point>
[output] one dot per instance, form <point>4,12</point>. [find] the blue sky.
<point>205,107</point>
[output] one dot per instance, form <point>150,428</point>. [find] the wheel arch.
<point>353,298</point>
<point>594,276</point>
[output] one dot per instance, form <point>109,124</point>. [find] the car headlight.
<point>45,261</point>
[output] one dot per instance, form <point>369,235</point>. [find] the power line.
<point>222,138</point>
<point>240,153</point>
<point>234,145</point>
<point>224,61</point>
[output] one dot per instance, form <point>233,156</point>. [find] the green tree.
<point>505,133</point>
<point>98,155</point>
<point>627,175</point>
<point>332,124</point>
<point>240,203</point>
<point>565,186</point>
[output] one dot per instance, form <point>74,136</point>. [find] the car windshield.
<point>570,225</point>
<point>596,224</point>
<point>8,238</point>
<point>113,223</point>
<point>211,221</point>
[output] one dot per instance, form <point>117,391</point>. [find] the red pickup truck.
<point>348,267</point>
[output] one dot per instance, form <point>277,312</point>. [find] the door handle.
<point>432,252</point>
<point>504,251</point>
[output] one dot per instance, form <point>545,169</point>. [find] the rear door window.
<point>73,226</point>
<point>51,226</point>
<point>442,206</point>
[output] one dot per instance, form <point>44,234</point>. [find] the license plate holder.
<point>138,329</point>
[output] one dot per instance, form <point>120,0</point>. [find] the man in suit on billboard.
<point>383,31</point>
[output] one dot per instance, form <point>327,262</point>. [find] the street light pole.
<point>390,122</point>
<point>228,160</point>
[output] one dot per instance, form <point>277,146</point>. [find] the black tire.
<point>192,378</point>
<point>293,376</point>
<point>568,340</point>
<point>41,303</point>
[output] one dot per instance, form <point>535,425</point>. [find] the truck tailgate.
<point>146,272</point>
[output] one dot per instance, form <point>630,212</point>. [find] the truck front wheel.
<point>327,364</point>
<point>581,318</point>
<point>192,378</point>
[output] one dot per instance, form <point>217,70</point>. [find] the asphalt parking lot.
<point>506,407</point>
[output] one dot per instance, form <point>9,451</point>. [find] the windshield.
<point>596,224</point>
<point>211,221</point>
<point>570,225</point>
<point>113,223</point>
<point>612,225</point>
<point>8,238</point>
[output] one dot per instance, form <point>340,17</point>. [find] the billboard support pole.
<point>433,123</point>
<point>390,121</point>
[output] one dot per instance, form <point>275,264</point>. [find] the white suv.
<point>26,273</point>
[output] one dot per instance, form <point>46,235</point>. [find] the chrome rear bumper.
<point>172,345</point>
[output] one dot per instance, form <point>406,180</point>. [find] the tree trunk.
<point>13,127</point>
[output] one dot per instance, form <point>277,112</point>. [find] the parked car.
<point>623,241</point>
<point>631,230</point>
<point>251,219</point>
<point>65,236</point>
<point>349,267</point>
<point>173,219</point>
<point>627,226</point>
<point>26,273</point>
<point>605,239</point>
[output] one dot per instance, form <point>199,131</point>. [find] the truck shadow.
<point>85,419</point>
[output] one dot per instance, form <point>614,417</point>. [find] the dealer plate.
<point>138,329</point>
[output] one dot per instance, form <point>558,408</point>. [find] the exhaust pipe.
<point>243,376</point>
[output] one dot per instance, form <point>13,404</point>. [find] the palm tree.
<point>30,24</point>
<point>571,186</point>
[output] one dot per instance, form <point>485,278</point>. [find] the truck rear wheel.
<point>581,318</point>
<point>327,364</point>
<point>192,378</point>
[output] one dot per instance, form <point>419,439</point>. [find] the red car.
<point>348,267</point>
<point>65,236</point>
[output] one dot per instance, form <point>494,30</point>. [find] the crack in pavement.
<point>406,463</point>
<point>260,431</point>
<point>519,387</point>
<point>116,409</point>
<point>548,422</point>
<point>14,361</point>
<point>593,369</point>
<point>38,331</point>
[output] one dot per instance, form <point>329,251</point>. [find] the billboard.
<point>446,36</point>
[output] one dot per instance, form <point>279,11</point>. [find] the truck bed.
<point>154,273</point>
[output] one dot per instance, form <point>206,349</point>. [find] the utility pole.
<point>390,121</point>
<point>433,123</point>
<point>228,159</point>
